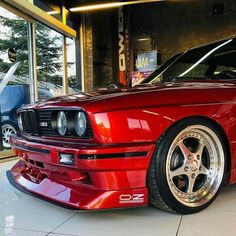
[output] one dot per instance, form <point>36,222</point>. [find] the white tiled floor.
<point>24,215</point>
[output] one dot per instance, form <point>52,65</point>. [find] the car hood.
<point>144,95</point>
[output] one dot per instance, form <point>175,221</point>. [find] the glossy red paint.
<point>123,121</point>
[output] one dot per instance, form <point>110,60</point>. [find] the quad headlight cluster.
<point>71,123</point>
<point>76,123</point>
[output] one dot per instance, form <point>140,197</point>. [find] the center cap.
<point>193,165</point>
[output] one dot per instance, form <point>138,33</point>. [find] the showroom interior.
<point>58,48</point>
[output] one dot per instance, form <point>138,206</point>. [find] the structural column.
<point>32,63</point>
<point>86,44</point>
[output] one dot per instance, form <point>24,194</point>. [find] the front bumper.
<point>101,178</point>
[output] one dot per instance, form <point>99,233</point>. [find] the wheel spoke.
<point>178,171</point>
<point>184,149</point>
<point>203,170</point>
<point>200,149</point>
<point>191,182</point>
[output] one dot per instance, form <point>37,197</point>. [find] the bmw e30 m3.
<point>170,141</point>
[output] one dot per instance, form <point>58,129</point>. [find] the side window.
<point>219,69</point>
<point>179,68</point>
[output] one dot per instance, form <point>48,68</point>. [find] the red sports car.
<point>170,141</point>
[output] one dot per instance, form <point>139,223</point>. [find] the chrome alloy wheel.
<point>7,131</point>
<point>195,165</point>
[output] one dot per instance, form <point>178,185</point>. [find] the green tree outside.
<point>48,55</point>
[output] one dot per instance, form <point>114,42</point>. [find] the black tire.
<point>177,183</point>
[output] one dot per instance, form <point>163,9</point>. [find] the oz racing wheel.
<point>188,167</point>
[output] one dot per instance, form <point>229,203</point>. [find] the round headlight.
<point>61,123</point>
<point>80,123</point>
<point>20,123</point>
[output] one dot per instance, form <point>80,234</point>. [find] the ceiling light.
<point>110,5</point>
<point>53,12</point>
<point>144,39</point>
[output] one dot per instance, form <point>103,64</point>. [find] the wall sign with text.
<point>147,61</point>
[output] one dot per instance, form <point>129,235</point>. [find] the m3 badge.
<point>43,124</point>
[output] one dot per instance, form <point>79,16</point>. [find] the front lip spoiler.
<point>18,187</point>
<point>82,198</point>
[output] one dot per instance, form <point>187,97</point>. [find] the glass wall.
<point>13,37</point>
<point>49,61</point>
<point>73,81</point>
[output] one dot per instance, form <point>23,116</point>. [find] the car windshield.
<point>212,61</point>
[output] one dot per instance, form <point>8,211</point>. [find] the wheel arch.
<point>10,123</point>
